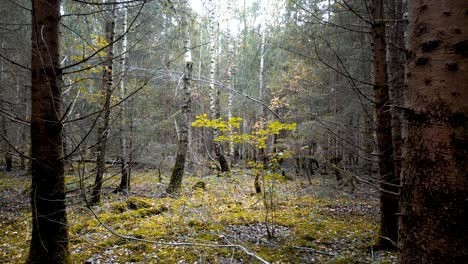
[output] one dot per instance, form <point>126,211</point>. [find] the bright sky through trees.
<point>201,7</point>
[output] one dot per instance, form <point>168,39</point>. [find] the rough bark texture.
<point>435,169</point>
<point>214,94</point>
<point>388,202</point>
<point>178,171</point>
<point>103,130</point>
<point>49,241</point>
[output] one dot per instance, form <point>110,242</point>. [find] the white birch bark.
<point>184,128</point>
<point>125,180</point>
<point>229,78</point>
<point>214,93</point>
<point>261,90</point>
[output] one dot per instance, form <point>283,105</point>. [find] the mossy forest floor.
<point>315,222</point>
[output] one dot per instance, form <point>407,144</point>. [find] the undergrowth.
<point>309,226</point>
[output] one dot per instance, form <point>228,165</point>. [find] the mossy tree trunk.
<point>49,240</point>
<point>434,191</point>
<point>178,171</point>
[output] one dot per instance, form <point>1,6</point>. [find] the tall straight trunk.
<point>130,141</point>
<point>388,201</point>
<point>24,132</point>
<point>21,104</point>
<point>178,171</point>
<point>229,107</point>
<point>229,80</point>
<point>49,240</point>
<point>434,191</point>
<point>262,94</point>
<point>198,146</point>
<point>214,93</point>
<point>125,179</point>
<point>396,71</point>
<point>103,130</point>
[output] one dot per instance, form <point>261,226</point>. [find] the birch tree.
<point>214,92</point>
<point>178,171</point>
<point>125,179</point>
<point>261,89</point>
<point>229,76</point>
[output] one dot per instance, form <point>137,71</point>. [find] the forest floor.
<point>225,222</point>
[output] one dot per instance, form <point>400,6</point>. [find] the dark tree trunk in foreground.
<point>388,201</point>
<point>178,171</point>
<point>49,242</point>
<point>435,168</point>
<point>103,130</point>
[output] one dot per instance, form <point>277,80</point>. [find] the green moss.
<point>15,239</point>
<point>344,260</point>
<point>132,203</point>
<point>111,218</point>
<point>324,224</point>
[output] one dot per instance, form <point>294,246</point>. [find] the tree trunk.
<point>178,171</point>
<point>25,149</point>
<point>5,146</point>
<point>103,130</point>
<point>434,191</point>
<point>262,95</point>
<point>49,241</point>
<point>388,201</point>
<point>124,186</point>
<point>21,108</point>
<point>214,93</point>
<point>396,73</point>
<point>229,79</point>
